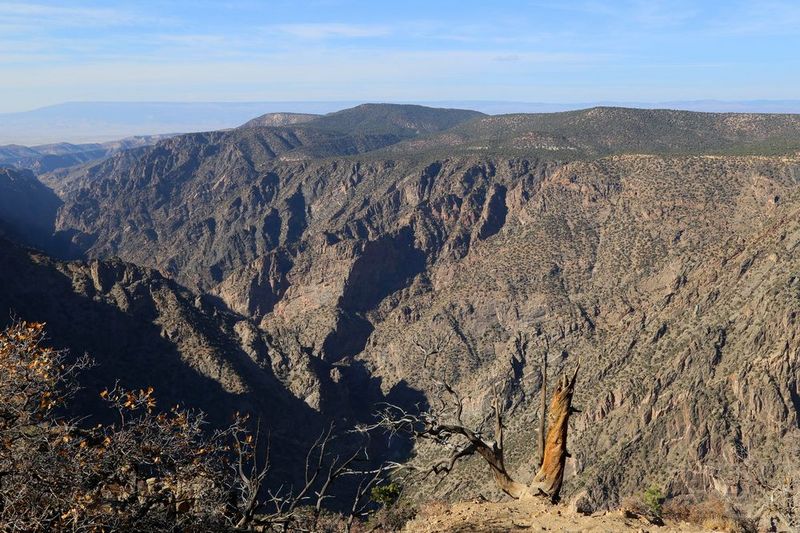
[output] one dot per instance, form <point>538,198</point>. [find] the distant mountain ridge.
<point>398,119</point>
<point>49,157</point>
<point>373,119</point>
<point>279,119</point>
<point>607,130</point>
<point>586,132</point>
<point>84,122</point>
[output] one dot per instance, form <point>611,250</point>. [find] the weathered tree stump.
<point>550,476</point>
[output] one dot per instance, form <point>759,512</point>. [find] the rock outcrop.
<point>659,247</point>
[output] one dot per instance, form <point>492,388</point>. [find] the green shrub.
<point>392,515</point>
<point>386,495</point>
<point>653,498</point>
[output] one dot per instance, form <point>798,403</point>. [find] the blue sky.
<point>534,51</point>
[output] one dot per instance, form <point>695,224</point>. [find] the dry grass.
<point>711,513</point>
<point>433,508</point>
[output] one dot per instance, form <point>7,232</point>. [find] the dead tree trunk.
<point>494,455</point>
<point>548,479</point>
<point>543,414</point>
<point>445,427</point>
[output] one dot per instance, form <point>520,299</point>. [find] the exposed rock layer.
<point>671,275</point>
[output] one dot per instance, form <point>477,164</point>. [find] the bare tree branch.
<point>444,426</point>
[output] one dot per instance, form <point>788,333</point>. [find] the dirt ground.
<point>530,515</point>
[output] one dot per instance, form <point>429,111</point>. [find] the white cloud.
<point>314,31</point>
<point>29,13</point>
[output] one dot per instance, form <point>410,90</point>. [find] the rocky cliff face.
<point>143,330</point>
<point>671,276</point>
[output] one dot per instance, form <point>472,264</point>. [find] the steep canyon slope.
<point>660,248</point>
<point>50,157</point>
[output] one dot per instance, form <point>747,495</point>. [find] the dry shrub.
<point>646,505</point>
<point>150,470</point>
<point>635,507</point>
<point>307,519</point>
<point>385,520</point>
<point>392,518</point>
<point>711,513</point>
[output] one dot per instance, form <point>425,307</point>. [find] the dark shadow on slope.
<point>385,266</point>
<point>795,403</point>
<point>494,213</point>
<point>296,223</point>
<point>355,398</point>
<point>349,337</point>
<point>28,208</point>
<point>132,348</point>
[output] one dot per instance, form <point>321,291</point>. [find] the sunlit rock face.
<point>658,247</point>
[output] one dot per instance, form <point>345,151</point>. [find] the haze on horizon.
<point>338,50</point>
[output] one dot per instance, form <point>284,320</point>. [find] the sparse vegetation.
<point>392,518</point>
<point>394,513</point>
<point>653,498</point>
<point>385,495</point>
<point>151,470</point>
<point>712,513</point>
<point>646,504</point>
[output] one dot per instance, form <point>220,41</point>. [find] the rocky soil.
<point>533,515</point>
